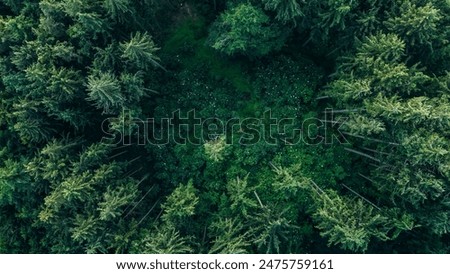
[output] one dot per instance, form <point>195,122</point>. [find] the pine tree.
<point>419,24</point>
<point>245,30</point>
<point>118,9</point>
<point>216,149</point>
<point>363,125</point>
<point>402,105</point>
<point>105,92</point>
<point>286,10</point>
<point>270,230</point>
<point>140,51</point>
<point>229,237</point>
<point>350,224</point>
<point>240,194</point>
<point>180,204</point>
<point>163,240</point>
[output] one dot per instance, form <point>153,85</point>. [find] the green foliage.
<point>114,199</point>
<point>362,125</point>
<point>245,30</point>
<point>417,24</point>
<point>335,13</point>
<point>240,193</point>
<point>180,204</point>
<point>163,240</point>
<point>271,230</point>
<point>118,9</point>
<point>287,86</point>
<point>187,42</point>
<point>215,149</point>
<point>78,76</point>
<point>287,10</point>
<point>140,50</point>
<point>12,181</point>
<point>386,47</point>
<point>104,91</point>
<point>229,238</point>
<point>389,97</point>
<point>288,184</point>
<point>350,224</point>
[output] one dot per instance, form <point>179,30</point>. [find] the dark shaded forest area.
<point>78,76</point>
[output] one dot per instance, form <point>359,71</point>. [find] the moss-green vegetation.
<point>365,84</point>
<point>188,42</point>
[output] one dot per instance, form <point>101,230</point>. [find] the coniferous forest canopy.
<point>76,76</point>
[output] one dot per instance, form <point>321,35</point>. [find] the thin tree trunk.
<point>259,200</point>
<point>360,196</point>
<point>367,178</point>
<point>342,110</point>
<point>117,155</point>
<point>362,154</point>
<point>148,212</point>
<point>376,151</point>
<point>143,197</point>
<point>370,139</point>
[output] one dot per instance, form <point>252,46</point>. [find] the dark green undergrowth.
<point>357,162</point>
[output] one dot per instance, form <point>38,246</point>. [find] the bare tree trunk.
<point>259,200</point>
<point>148,212</point>
<point>342,110</point>
<point>362,154</point>
<point>370,139</point>
<point>360,196</point>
